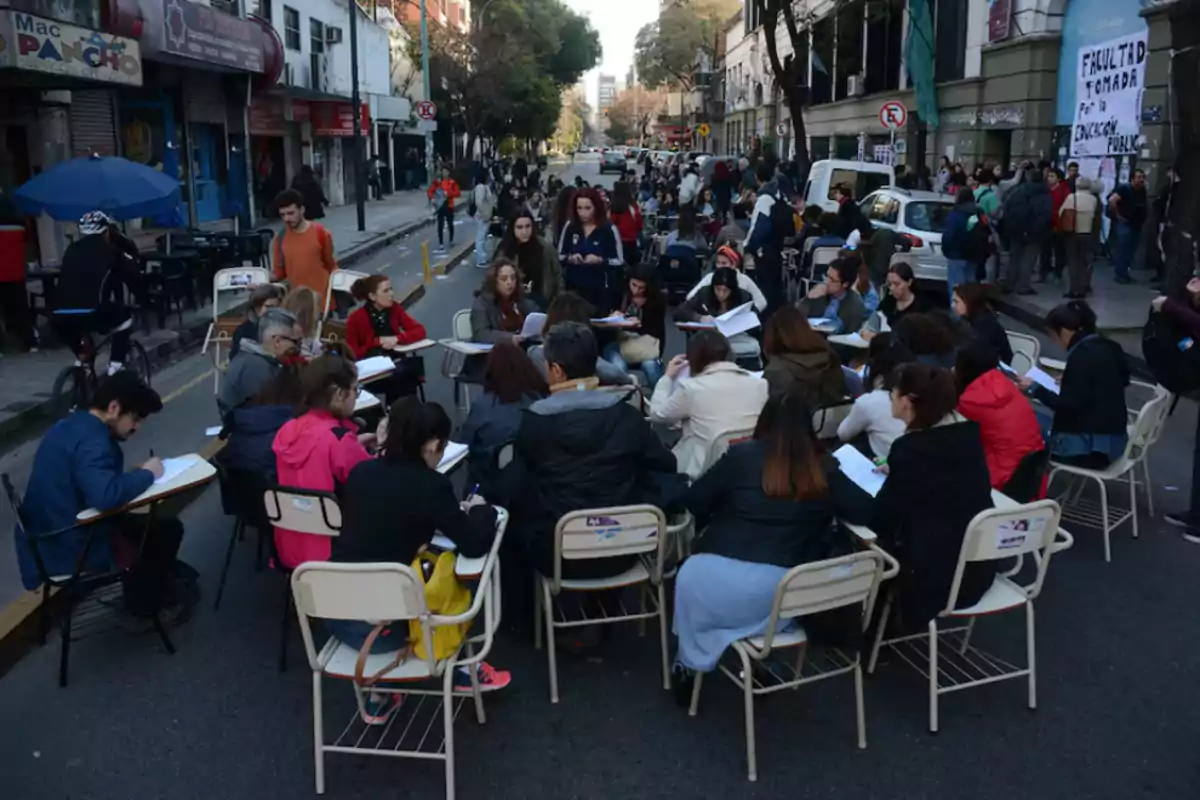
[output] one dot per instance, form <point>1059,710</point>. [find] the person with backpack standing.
<point>770,225</point>
<point>442,194</point>
<point>965,241</point>
<point>1027,210</point>
<point>303,251</point>
<point>1178,365</point>
<point>1076,218</point>
<point>988,199</point>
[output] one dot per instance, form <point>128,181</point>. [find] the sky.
<point>618,22</point>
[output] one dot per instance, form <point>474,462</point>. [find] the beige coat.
<point>723,398</point>
<point>1085,204</point>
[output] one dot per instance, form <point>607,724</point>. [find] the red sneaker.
<point>490,678</point>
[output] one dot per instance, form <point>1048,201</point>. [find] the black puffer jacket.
<point>1091,398</point>
<point>582,449</point>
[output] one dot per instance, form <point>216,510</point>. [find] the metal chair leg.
<point>44,615</point>
<point>1031,654</point>
<point>161,630</point>
<point>283,628</point>
<point>548,607</point>
<point>233,540</point>
<point>65,653</point>
<point>933,676</point>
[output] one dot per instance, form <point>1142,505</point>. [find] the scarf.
<point>511,317</point>
<point>381,320</point>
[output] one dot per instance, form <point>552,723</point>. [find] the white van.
<point>862,176</point>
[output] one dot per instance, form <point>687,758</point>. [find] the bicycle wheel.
<point>139,361</point>
<point>72,390</point>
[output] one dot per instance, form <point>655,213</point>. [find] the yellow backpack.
<point>445,596</point>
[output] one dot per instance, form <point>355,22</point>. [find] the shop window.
<point>84,13</point>
<point>950,40</point>
<point>259,8</point>
<point>291,28</point>
<point>845,147</point>
<point>228,6</point>
<point>885,29</point>
<point>316,31</point>
<point>818,148</point>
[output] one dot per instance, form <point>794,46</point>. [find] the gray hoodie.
<point>248,373</point>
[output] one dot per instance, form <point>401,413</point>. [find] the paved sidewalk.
<point>26,378</point>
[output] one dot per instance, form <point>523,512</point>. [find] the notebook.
<point>860,469</point>
<point>375,365</point>
<point>453,451</point>
<point>532,329</point>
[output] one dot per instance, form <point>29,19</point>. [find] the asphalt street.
<point>1116,660</point>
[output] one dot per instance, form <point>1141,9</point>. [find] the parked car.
<point>920,217</point>
<point>612,161</point>
<point>863,177</point>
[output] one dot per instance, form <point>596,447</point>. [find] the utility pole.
<point>426,86</point>
<point>636,117</point>
<point>360,176</point>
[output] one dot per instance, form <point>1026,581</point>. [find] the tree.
<point>669,50</point>
<point>572,128</point>
<point>634,109</point>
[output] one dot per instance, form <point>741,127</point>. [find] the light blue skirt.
<point>719,600</point>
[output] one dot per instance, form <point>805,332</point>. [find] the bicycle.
<point>75,385</point>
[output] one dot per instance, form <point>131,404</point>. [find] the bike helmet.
<point>94,222</point>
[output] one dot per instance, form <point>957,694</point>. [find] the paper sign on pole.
<point>1109,80</point>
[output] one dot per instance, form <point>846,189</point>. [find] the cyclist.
<point>89,295</point>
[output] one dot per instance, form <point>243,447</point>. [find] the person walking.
<point>1127,207</point>
<point>1076,219</point>
<point>303,252</point>
<point>442,194</point>
<point>483,206</point>
<point>1027,212</point>
<point>964,241</point>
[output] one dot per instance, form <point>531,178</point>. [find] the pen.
<point>474,490</point>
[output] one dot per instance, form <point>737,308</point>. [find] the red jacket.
<point>1007,425</point>
<point>361,336</point>
<point>449,186</point>
<point>1059,195</point>
<point>629,224</point>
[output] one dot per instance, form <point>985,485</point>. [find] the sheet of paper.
<point>532,328</point>
<point>731,323</point>
<point>374,366</point>
<point>442,542</point>
<point>213,431</point>
<point>1042,378</point>
<point>615,319</point>
<point>733,312</point>
<point>476,348</point>
<point>859,469</point>
<point>453,451</point>
<point>408,348</point>
<point>850,340</point>
<point>174,467</point>
<point>817,323</point>
<point>695,326</point>
<point>365,400</point>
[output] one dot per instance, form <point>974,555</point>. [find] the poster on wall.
<point>1109,80</point>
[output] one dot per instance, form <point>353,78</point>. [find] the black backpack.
<point>1177,370</point>
<point>783,223</point>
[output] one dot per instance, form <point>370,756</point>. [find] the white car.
<point>918,216</point>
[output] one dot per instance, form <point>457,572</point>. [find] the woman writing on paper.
<point>716,398</point>
<point>723,294</point>
<point>500,307</point>
<point>901,299</point>
<point>380,326</point>
<point>375,528</point>
<point>937,481</point>
<point>641,347</point>
<point>1087,425</point>
<point>870,425</point>
<point>728,257</point>
<point>766,506</point>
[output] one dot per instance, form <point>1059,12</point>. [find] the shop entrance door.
<point>205,159</point>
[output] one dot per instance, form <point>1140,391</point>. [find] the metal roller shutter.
<point>93,125</point>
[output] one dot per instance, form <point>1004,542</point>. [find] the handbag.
<point>444,596</point>
<point>637,347</point>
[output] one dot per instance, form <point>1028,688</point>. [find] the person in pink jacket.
<point>318,449</point>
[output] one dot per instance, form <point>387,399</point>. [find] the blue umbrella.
<point>121,188</point>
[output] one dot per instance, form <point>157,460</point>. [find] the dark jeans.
<point>14,307</point>
<point>1127,245</point>
<point>354,633</point>
<point>146,579</point>
<point>445,219</point>
<point>768,274</point>
<point>1053,250</point>
<point>73,327</point>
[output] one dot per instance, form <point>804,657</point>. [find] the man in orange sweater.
<point>442,193</point>
<point>303,253</point>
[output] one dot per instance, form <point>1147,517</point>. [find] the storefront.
<point>332,151</point>
<point>268,152</point>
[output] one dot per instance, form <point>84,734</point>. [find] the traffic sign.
<point>427,110</point>
<point>783,128</point>
<point>703,129</point>
<point>893,115</point>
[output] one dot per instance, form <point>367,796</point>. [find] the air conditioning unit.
<point>854,86</point>
<point>333,35</point>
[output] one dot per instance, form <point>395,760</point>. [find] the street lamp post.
<point>426,84</point>
<point>360,178</point>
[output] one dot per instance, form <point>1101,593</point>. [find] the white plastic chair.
<point>376,592</point>
<point>1158,424</point>
<point>806,589</point>
<point>453,362</point>
<point>600,533</point>
<point>993,535</point>
<point>825,420</point>
<point>239,281</point>
<point>1147,426</point>
<point>340,281</point>
<point>1025,350</point>
<point>720,445</point>
<point>822,257</point>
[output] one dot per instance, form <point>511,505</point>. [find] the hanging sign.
<point>1109,80</point>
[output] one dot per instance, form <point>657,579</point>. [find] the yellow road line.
<point>189,385</point>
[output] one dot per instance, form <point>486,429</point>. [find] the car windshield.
<point>927,216</point>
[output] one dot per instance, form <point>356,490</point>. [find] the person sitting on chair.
<point>722,294</point>
<point>263,297</point>
<point>729,257</point>
<point>835,298</point>
<point>258,361</point>
<point>378,327</point>
<point>80,465</point>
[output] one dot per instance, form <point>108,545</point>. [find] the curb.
<point>193,335</point>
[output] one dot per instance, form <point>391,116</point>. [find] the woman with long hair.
<point>721,295</point>
<point>564,202</point>
<point>641,348</point>
<point>971,303</point>
<point>510,383</point>
<point>591,252</point>
<point>800,360</point>
<point>317,449</point>
<point>627,219</point>
<point>306,306</point>
<point>378,327</point>
<point>500,306</point>
<point>901,299</point>
<point>870,425</point>
<point>937,481</point>
<point>535,257</point>
<point>766,506</point>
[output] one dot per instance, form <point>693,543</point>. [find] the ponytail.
<point>363,288</point>
<point>1074,315</point>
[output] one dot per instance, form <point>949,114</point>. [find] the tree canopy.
<point>669,50</point>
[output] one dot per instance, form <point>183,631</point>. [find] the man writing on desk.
<point>79,465</point>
